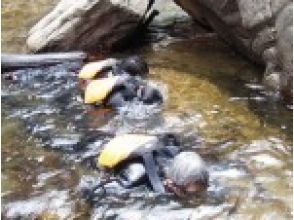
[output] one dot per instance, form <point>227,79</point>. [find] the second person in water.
<point>114,82</point>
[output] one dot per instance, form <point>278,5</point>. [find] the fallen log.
<point>18,61</point>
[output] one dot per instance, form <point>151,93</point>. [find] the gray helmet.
<point>188,167</point>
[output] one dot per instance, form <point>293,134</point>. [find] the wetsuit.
<point>131,175</point>
<point>133,89</point>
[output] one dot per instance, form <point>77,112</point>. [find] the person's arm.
<point>115,100</point>
<point>152,173</point>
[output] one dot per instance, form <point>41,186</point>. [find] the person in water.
<point>180,173</point>
<point>125,81</point>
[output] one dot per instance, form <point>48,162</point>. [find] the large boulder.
<point>260,29</point>
<point>88,25</point>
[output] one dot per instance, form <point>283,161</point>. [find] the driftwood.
<point>17,61</point>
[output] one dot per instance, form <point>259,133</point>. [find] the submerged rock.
<point>261,30</point>
<point>55,202</point>
<point>87,25</point>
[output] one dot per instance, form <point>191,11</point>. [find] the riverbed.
<point>214,101</point>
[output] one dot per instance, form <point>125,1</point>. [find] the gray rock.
<point>284,26</point>
<point>260,29</point>
<point>88,25</point>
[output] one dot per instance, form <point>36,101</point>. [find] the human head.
<point>149,95</point>
<point>170,139</point>
<point>187,174</point>
<point>134,65</point>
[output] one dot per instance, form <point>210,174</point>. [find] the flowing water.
<point>213,100</point>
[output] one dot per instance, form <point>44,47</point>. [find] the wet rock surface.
<point>261,30</point>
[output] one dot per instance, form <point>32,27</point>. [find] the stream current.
<point>214,101</point>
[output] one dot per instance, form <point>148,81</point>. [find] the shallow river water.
<point>213,100</point>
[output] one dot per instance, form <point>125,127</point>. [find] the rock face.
<point>260,29</point>
<point>87,25</point>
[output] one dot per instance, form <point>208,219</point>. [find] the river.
<point>214,101</point>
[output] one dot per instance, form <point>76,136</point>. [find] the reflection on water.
<point>213,100</point>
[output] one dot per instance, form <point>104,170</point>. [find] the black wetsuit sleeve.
<point>164,156</point>
<point>115,100</point>
<point>152,173</point>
